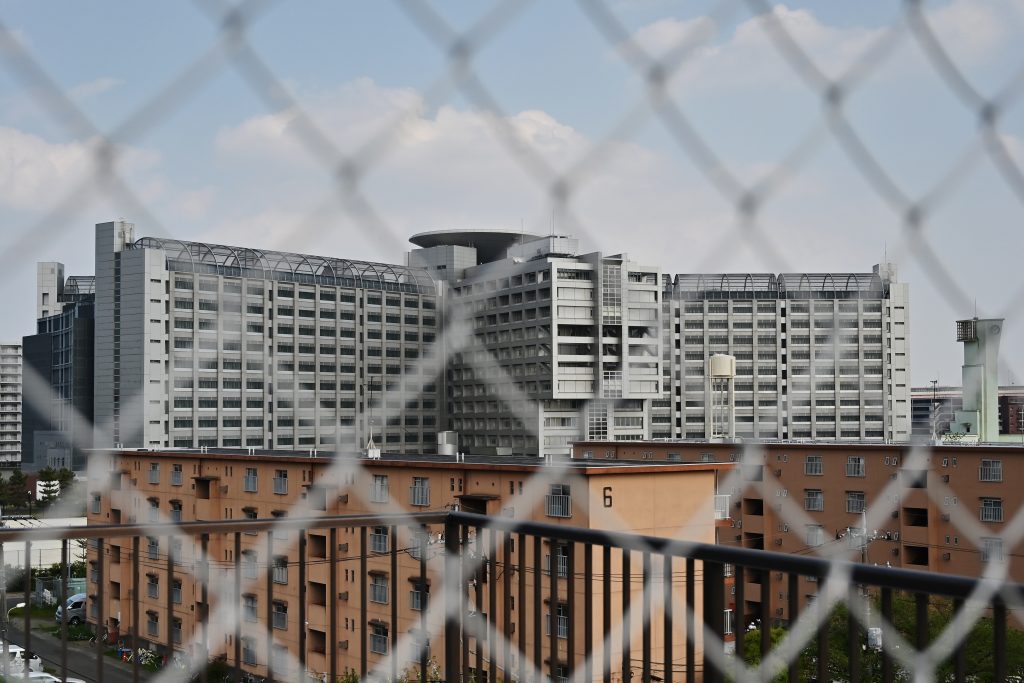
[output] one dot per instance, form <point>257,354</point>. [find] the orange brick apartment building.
<point>830,484</point>
<point>663,499</point>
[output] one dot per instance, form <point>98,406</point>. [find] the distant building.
<point>818,355</point>
<point>207,345</point>
<point>58,413</point>
<point>564,345</point>
<point>10,404</point>
<point>946,400</point>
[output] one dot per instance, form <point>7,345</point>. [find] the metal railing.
<point>722,506</point>
<point>557,505</point>
<point>674,594</point>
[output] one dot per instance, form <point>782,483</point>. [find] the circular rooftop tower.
<point>490,245</point>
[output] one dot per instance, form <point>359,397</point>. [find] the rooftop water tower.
<point>722,373</point>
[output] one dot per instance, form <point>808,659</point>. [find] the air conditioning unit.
<point>946,556</point>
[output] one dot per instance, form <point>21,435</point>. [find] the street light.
<point>7,649</point>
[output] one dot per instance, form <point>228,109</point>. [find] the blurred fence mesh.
<point>348,168</point>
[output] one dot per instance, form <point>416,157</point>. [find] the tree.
<point>978,650</point>
<point>49,486</point>
<point>15,490</point>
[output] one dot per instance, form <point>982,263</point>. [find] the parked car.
<point>42,677</point>
<point>76,609</point>
<point>17,656</point>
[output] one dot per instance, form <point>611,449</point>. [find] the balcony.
<point>557,505</point>
<point>682,574</point>
<point>722,506</point>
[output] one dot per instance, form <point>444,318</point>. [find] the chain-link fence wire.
<point>232,49</point>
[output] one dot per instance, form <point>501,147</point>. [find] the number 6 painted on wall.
<point>607,492</point>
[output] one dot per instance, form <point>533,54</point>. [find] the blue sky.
<point>220,164</point>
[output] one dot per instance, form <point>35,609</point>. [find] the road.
<point>81,655</point>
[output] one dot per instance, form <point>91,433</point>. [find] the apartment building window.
<point>855,466</point>
<point>152,624</point>
<point>378,588</point>
<point>154,473</point>
<point>152,586</point>
<point>991,550</point>
<point>249,608</point>
<point>855,501</point>
<point>814,500</point>
<point>813,466</point>
<point>729,622</point>
<point>251,480</point>
<point>280,569</point>
<point>379,539</point>
<point>379,490</point>
<point>96,503</point>
<point>282,661</point>
<point>419,492</point>
<point>154,510</point>
<point>249,651</point>
<point>418,599</point>
<point>815,535</point>
<point>176,630</point>
<point>561,554</point>
<point>280,482</point>
<point>176,591</point>
<point>249,570</point>
<point>279,617</point>
<point>378,638</point>
<point>991,470</point>
<point>177,475</point>
<point>991,509</point>
<point>152,548</point>
<point>176,510</point>
<point>562,614</point>
<point>558,503</point>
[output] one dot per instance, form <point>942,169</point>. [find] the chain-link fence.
<point>821,69</point>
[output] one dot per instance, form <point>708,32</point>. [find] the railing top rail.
<point>948,585</point>
<point>218,527</point>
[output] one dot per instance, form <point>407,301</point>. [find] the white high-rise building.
<point>10,404</point>
<point>818,355</point>
<point>208,345</point>
<point>565,346</point>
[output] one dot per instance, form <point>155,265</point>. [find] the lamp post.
<point>7,649</point>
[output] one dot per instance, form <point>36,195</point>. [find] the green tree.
<point>15,490</point>
<point>978,650</point>
<point>49,486</point>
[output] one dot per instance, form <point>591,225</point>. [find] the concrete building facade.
<point>574,338</point>
<point>10,404</point>
<point>57,418</point>
<point>209,345</point>
<point>821,356</point>
<point>644,498</point>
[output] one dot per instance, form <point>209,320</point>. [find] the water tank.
<point>447,443</point>
<point>722,366</point>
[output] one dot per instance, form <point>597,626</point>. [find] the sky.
<point>210,145</point>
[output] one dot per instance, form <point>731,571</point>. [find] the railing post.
<point>452,602</point>
<point>714,617</point>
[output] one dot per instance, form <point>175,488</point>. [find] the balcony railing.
<point>557,505</point>
<point>671,587</point>
<point>722,506</point>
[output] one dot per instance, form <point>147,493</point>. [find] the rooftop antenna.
<point>552,221</point>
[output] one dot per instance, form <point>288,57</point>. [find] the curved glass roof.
<point>200,257</point>
<point>770,286</point>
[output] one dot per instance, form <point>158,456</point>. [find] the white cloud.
<point>663,36</point>
<point>90,89</point>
